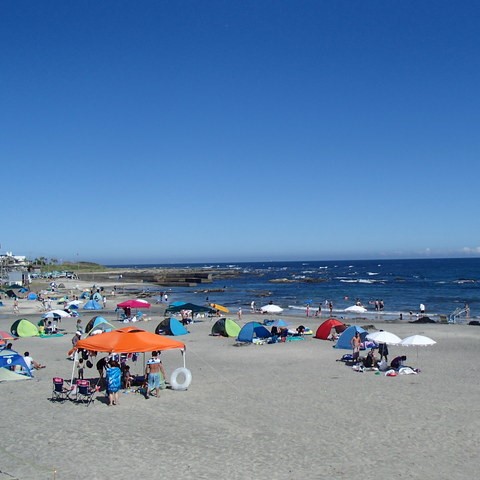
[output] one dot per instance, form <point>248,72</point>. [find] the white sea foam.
<point>360,280</point>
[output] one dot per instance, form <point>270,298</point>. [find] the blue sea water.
<point>442,285</point>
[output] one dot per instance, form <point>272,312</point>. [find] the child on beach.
<point>80,369</point>
<point>127,377</point>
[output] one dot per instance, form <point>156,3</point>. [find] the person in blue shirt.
<point>114,382</point>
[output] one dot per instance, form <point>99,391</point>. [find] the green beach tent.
<point>23,328</point>
<point>226,328</point>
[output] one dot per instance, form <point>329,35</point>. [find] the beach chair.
<point>60,393</point>
<point>85,392</point>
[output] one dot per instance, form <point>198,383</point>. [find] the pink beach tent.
<point>135,303</point>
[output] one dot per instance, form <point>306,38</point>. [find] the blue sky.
<point>172,131</point>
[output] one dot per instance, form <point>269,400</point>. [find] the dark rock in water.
<point>474,322</point>
<point>423,320</point>
<point>211,290</point>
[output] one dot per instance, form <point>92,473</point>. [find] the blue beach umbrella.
<point>280,323</point>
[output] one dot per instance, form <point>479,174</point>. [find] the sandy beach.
<point>283,411</point>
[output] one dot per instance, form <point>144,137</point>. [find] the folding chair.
<point>60,392</point>
<point>84,392</point>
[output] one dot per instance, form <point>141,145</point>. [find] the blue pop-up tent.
<point>8,359</point>
<point>98,323</point>
<point>92,305</point>
<point>253,330</point>
<point>345,339</point>
<point>170,326</point>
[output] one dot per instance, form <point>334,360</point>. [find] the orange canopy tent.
<point>128,340</point>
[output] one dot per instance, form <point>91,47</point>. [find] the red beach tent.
<point>323,331</point>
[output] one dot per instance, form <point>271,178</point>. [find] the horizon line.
<point>287,261</point>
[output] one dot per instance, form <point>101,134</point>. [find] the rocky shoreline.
<point>164,277</point>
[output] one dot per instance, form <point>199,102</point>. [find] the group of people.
<point>371,361</point>
<point>117,375</point>
<point>280,334</point>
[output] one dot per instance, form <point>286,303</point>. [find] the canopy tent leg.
<point>75,361</point>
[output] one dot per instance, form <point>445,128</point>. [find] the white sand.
<point>285,411</point>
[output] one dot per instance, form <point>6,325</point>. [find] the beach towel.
<point>407,371</point>
<point>114,379</point>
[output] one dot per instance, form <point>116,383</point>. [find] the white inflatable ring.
<point>186,383</point>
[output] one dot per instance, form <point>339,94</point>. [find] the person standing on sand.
<point>155,374</point>
<point>114,382</point>
<point>383,351</point>
<point>15,306</point>
<point>239,313</point>
<point>356,343</point>
<point>101,365</point>
<point>330,307</point>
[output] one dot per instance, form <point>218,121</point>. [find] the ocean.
<point>443,286</point>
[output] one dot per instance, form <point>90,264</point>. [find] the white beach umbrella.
<point>74,302</point>
<point>271,309</point>
<point>417,341</point>
<point>57,313</point>
<point>356,309</point>
<point>384,337</point>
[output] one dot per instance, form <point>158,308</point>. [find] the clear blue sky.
<point>170,131</point>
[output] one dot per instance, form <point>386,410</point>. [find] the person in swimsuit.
<point>155,374</point>
<point>356,343</point>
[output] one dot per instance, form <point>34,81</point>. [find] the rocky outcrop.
<point>162,277</point>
